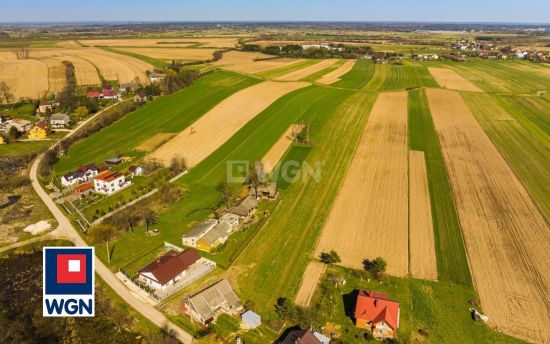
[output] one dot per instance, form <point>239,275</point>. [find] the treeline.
<point>68,98</point>
<point>298,51</point>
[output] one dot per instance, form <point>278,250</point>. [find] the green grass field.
<point>169,114</point>
<point>406,77</point>
<point>452,264</point>
<point>23,148</point>
<point>319,74</point>
<point>358,76</point>
<point>519,129</point>
<point>378,78</point>
<point>289,238</point>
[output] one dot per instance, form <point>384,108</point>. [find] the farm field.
<point>218,125</point>
<point>273,157</point>
<point>307,71</point>
<point>511,123</point>
<point>185,54</point>
<point>421,235</point>
<point>250,62</point>
<point>18,73</point>
<point>358,77</point>
<point>206,42</point>
<point>287,68</point>
<point>336,74</point>
<point>407,77</point>
<point>172,114</point>
<point>372,205</point>
<point>85,71</point>
<point>448,78</point>
<point>502,227</point>
<point>310,279</point>
<point>338,122</point>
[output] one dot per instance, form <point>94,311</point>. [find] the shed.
<point>251,319</point>
<point>114,161</point>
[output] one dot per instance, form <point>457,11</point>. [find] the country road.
<point>66,230</point>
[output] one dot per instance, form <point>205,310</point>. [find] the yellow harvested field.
<point>421,235</point>
<point>207,42</point>
<point>25,78</point>
<point>68,44</point>
<point>506,236</point>
<point>246,62</point>
<point>307,71</point>
<point>335,75</point>
<point>86,73</point>
<point>113,66</point>
<point>218,125</point>
<point>448,78</point>
<point>154,142</point>
<point>370,215</point>
<point>313,272</point>
<point>272,158</point>
<point>173,53</point>
<point>57,79</point>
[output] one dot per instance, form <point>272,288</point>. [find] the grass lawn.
<point>169,114</point>
<point>23,148</point>
<point>21,110</point>
<point>278,256</point>
<point>452,264</point>
<point>518,128</point>
<point>358,76</point>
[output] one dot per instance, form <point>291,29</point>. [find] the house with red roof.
<point>376,313</point>
<point>93,94</point>
<point>168,269</point>
<point>109,93</point>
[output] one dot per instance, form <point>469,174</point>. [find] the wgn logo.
<point>68,282</point>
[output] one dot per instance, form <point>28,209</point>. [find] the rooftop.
<point>109,176</point>
<point>376,307</point>
<point>171,264</point>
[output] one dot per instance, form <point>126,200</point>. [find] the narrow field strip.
<point>310,279</point>
<point>273,157</point>
<point>370,215</point>
<point>208,133</point>
<point>506,236</point>
<point>358,76</point>
<point>251,63</point>
<point>172,53</point>
<point>381,72</point>
<point>421,235</point>
<point>304,72</point>
<point>449,79</point>
<point>336,74</point>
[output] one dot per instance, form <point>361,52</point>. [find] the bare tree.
<point>5,93</point>
<point>103,233</point>
<point>256,176</point>
<point>22,53</point>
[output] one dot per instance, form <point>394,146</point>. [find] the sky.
<point>524,11</point>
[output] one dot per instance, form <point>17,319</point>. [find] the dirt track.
<point>218,125</point>
<point>448,78</point>
<point>313,272</point>
<point>507,239</point>
<point>272,158</point>
<point>370,215</point>
<point>307,71</point>
<point>421,235</point>
<point>335,75</point>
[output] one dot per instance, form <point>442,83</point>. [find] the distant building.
<point>109,93</point>
<point>59,120</point>
<point>93,95</point>
<point>135,170</point>
<point>22,125</point>
<point>109,182</point>
<point>37,133</point>
<point>168,269</point>
<point>44,106</point>
<point>155,77</point>
<point>376,313</point>
<point>207,304</point>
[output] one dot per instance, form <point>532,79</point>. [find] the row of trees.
<point>298,51</point>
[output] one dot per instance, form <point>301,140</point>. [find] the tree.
<point>150,218</point>
<point>166,335</point>
<point>81,112</point>
<point>255,175</point>
<point>22,53</point>
<point>177,164</point>
<point>284,308</point>
<point>376,265</point>
<point>102,233</point>
<point>5,93</point>
<point>13,133</point>
<point>331,257</point>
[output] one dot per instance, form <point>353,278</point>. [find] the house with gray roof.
<point>196,233</point>
<point>246,207</point>
<point>207,304</point>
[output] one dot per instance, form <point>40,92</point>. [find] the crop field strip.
<point>284,258</point>
<point>206,42</point>
<point>287,67</point>
<point>370,215</point>
<point>421,235</point>
<point>452,263</point>
<point>378,78</point>
<point>407,77</point>
<point>251,63</point>
<point>315,76</point>
<point>304,72</point>
<point>57,79</point>
<point>449,79</point>
<point>310,279</point>
<point>273,157</point>
<point>335,75</point>
<point>524,144</point>
<point>172,114</point>
<point>209,132</point>
<point>186,54</point>
<point>507,238</point>
<point>85,72</point>
<point>358,77</point>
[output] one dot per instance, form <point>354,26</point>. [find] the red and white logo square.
<point>71,268</point>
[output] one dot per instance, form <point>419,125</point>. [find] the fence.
<point>133,281</point>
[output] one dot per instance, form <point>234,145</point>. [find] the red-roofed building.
<point>93,94</point>
<point>109,93</point>
<point>168,269</point>
<point>376,313</point>
<point>109,182</point>
<point>83,189</point>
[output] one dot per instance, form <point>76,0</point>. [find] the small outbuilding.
<point>251,319</point>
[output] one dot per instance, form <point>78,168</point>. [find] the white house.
<point>110,182</point>
<point>59,120</point>
<point>83,174</point>
<point>168,269</point>
<point>155,77</point>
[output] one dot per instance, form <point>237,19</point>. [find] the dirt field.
<point>244,62</point>
<point>310,279</point>
<point>335,75</point>
<point>217,42</point>
<point>86,73</point>
<point>448,78</point>
<point>218,125</point>
<point>370,215</point>
<point>507,239</point>
<point>111,65</point>
<point>25,78</point>
<point>421,235</point>
<point>154,142</point>
<point>304,72</point>
<point>272,158</point>
<point>173,53</point>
